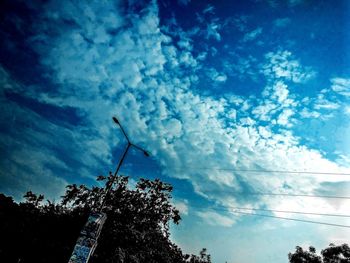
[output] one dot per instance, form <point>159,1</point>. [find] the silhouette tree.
<point>36,232</point>
<point>137,221</point>
<point>332,254</point>
<point>202,258</point>
<point>136,229</point>
<point>302,256</point>
<point>336,254</point>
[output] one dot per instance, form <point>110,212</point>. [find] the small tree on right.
<point>303,256</point>
<point>331,254</point>
<point>336,254</point>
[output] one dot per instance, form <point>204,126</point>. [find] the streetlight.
<point>87,240</point>
<point>109,187</point>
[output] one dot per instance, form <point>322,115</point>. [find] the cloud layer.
<point>123,64</point>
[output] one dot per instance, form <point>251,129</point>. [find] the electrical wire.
<point>271,216</point>
<point>293,219</point>
<point>288,211</point>
<point>259,171</point>
<point>270,171</point>
<point>297,195</point>
<point>247,170</point>
<point>286,195</point>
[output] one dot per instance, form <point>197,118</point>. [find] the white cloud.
<point>284,117</point>
<point>213,31</point>
<point>282,22</point>
<point>250,36</point>
<point>277,106</point>
<point>347,110</point>
<point>327,105</point>
<point>322,102</point>
<point>282,65</point>
<point>341,86</point>
<point>216,219</point>
<point>185,43</point>
<point>265,112</point>
<point>182,206</point>
<point>209,9</point>
<point>216,76</point>
<point>187,59</point>
<point>306,113</point>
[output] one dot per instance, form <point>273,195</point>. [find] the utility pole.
<point>87,241</point>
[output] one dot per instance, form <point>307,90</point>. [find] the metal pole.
<point>121,127</point>
<point>109,187</point>
<point>87,241</point>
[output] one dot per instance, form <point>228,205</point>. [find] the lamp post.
<point>108,189</point>
<point>87,240</point>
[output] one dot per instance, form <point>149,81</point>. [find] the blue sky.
<point>242,85</point>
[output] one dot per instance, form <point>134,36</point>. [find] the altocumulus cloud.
<point>107,60</point>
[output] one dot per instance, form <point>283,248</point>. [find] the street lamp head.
<point>115,120</point>
<point>127,138</point>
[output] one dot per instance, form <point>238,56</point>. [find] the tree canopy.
<point>136,229</point>
<point>331,254</point>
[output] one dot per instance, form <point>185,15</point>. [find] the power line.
<point>245,170</point>
<point>288,211</point>
<point>298,195</point>
<point>293,219</point>
<point>285,195</point>
<point>272,216</point>
<point>270,171</point>
<point>257,171</point>
<point>282,194</point>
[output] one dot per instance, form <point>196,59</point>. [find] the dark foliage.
<point>31,233</point>
<point>202,258</point>
<point>301,256</point>
<point>331,254</point>
<point>336,254</point>
<point>136,229</point>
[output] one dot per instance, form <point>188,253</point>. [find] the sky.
<point>228,97</point>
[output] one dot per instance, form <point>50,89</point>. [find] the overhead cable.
<point>298,195</point>
<point>288,211</point>
<point>246,170</point>
<point>293,219</point>
<point>257,171</point>
<point>276,217</point>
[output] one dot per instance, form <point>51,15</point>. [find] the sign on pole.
<point>87,240</point>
